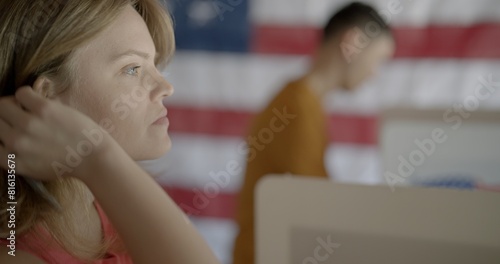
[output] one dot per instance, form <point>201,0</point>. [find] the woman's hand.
<point>48,139</point>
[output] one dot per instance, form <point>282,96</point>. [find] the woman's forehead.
<point>128,32</point>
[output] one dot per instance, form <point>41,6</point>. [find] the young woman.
<point>89,106</point>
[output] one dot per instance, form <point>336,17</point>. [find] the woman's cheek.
<point>125,97</point>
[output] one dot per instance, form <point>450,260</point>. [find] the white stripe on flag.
<point>248,82</point>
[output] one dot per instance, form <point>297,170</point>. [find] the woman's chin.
<point>152,153</point>
<point>159,151</point>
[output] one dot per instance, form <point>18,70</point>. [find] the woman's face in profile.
<point>120,88</point>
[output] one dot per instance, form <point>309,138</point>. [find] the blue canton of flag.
<point>211,25</point>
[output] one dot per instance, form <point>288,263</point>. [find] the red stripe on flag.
<point>196,203</point>
<point>475,41</point>
<point>284,40</point>
<point>356,129</point>
<point>342,128</point>
<point>208,121</point>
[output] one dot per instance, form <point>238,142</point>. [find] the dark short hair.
<point>352,15</point>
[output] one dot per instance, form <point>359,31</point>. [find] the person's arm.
<point>151,226</point>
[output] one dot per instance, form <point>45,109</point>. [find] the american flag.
<point>234,55</point>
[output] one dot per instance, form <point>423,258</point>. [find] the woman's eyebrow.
<point>129,52</point>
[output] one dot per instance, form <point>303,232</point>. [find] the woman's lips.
<point>161,121</point>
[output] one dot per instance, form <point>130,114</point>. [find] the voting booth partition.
<point>303,221</point>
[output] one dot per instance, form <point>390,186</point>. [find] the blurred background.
<point>234,55</point>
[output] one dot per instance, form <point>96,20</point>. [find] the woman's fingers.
<point>30,100</point>
<point>41,131</point>
<point>12,114</point>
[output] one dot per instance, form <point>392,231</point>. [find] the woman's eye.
<point>133,70</point>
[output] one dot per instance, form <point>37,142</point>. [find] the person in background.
<point>356,41</point>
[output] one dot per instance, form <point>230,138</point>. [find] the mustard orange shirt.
<point>288,136</point>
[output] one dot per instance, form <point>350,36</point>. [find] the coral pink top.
<point>53,253</point>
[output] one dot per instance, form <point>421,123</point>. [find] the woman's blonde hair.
<point>38,38</point>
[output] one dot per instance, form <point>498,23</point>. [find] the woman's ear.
<point>44,86</point>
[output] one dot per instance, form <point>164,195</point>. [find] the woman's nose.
<point>160,87</point>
